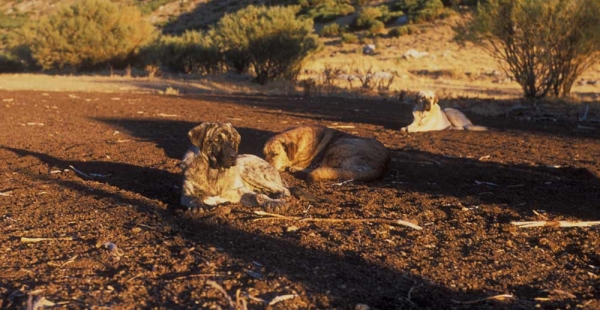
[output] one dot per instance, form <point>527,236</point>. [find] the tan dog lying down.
<point>214,173</point>
<point>429,116</point>
<point>333,154</point>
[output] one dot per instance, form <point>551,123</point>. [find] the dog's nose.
<point>232,154</point>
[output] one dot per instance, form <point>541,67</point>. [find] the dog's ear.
<point>290,149</point>
<point>234,134</point>
<point>198,133</point>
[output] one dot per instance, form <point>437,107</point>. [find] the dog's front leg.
<point>193,198</point>
<point>252,199</point>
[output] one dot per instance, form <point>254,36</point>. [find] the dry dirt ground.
<point>118,239</point>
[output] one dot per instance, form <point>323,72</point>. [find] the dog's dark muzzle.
<point>228,156</point>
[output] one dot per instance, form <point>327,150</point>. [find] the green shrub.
<point>270,39</point>
<point>85,35</point>
<point>420,10</point>
<point>367,17</point>
<point>330,30</point>
<point>349,38</point>
<point>376,28</point>
<point>402,30</point>
<point>151,6</point>
<point>192,52</point>
<point>12,21</point>
<point>430,10</point>
<point>546,44</point>
<point>328,10</point>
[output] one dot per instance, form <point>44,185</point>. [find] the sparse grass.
<point>442,73</point>
<point>12,21</point>
<point>330,30</point>
<point>403,30</point>
<point>328,10</point>
<point>349,38</point>
<point>151,6</point>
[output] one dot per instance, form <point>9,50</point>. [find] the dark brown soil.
<point>463,188</point>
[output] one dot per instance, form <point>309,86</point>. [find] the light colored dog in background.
<point>214,173</point>
<point>327,154</point>
<point>429,116</point>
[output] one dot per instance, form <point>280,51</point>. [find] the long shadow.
<point>346,278</point>
<point>150,182</point>
<point>560,191</point>
<point>564,190</point>
<point>171,135</point>
<point>207,13</point>
<point>389,113</point>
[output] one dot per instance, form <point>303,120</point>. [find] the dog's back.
<point>460,121</point>
<point>353,158</point>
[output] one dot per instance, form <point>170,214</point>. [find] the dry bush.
<point>330,30</point>
<point>545,44</point>
<point>327,10</point>
<point>421,10</point>
<point>270,39</point>
<point>88,34</point>
<point>193,52</point>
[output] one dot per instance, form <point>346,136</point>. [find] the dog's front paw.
<point>193,205</point>
<point>271,205</point>
<point>404,130</point>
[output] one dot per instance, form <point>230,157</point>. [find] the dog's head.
<point>218,142</point>
<point>279,153</point>
<point>426,100</point>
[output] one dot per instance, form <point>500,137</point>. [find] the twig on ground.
<point>196,275</point>
<point>70,260</point>
<point>559,292</point>
<point>529,224</point>
<point>341,127</point>
<point>584,113</point>
<point>81,172</point>
<point>281,298</point>
<point>540,215</point>
<point>219,288</point>
<point>114,250</point>
<point>32,240</point>
<point>586,127</point>
<point>40,302</point>
<point>343,182</point>
<point>273,216</point>
<point>497,297</point>
<point>167,115</point>
<point>6,194</point>
<point>484,157</point>
<point>485,183</point>
<point>260,300</point>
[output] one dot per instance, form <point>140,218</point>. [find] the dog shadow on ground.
<point>561,191</point>
<point>172,135</point>
<point>389,113</point>
<point>347,279</point>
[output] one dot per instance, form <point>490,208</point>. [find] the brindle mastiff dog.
<point>214,173</point>
<point>429,116</point>
<point>333,154</point>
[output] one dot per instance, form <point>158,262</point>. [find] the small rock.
<point>362,307</point>
<point>369,49</point>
